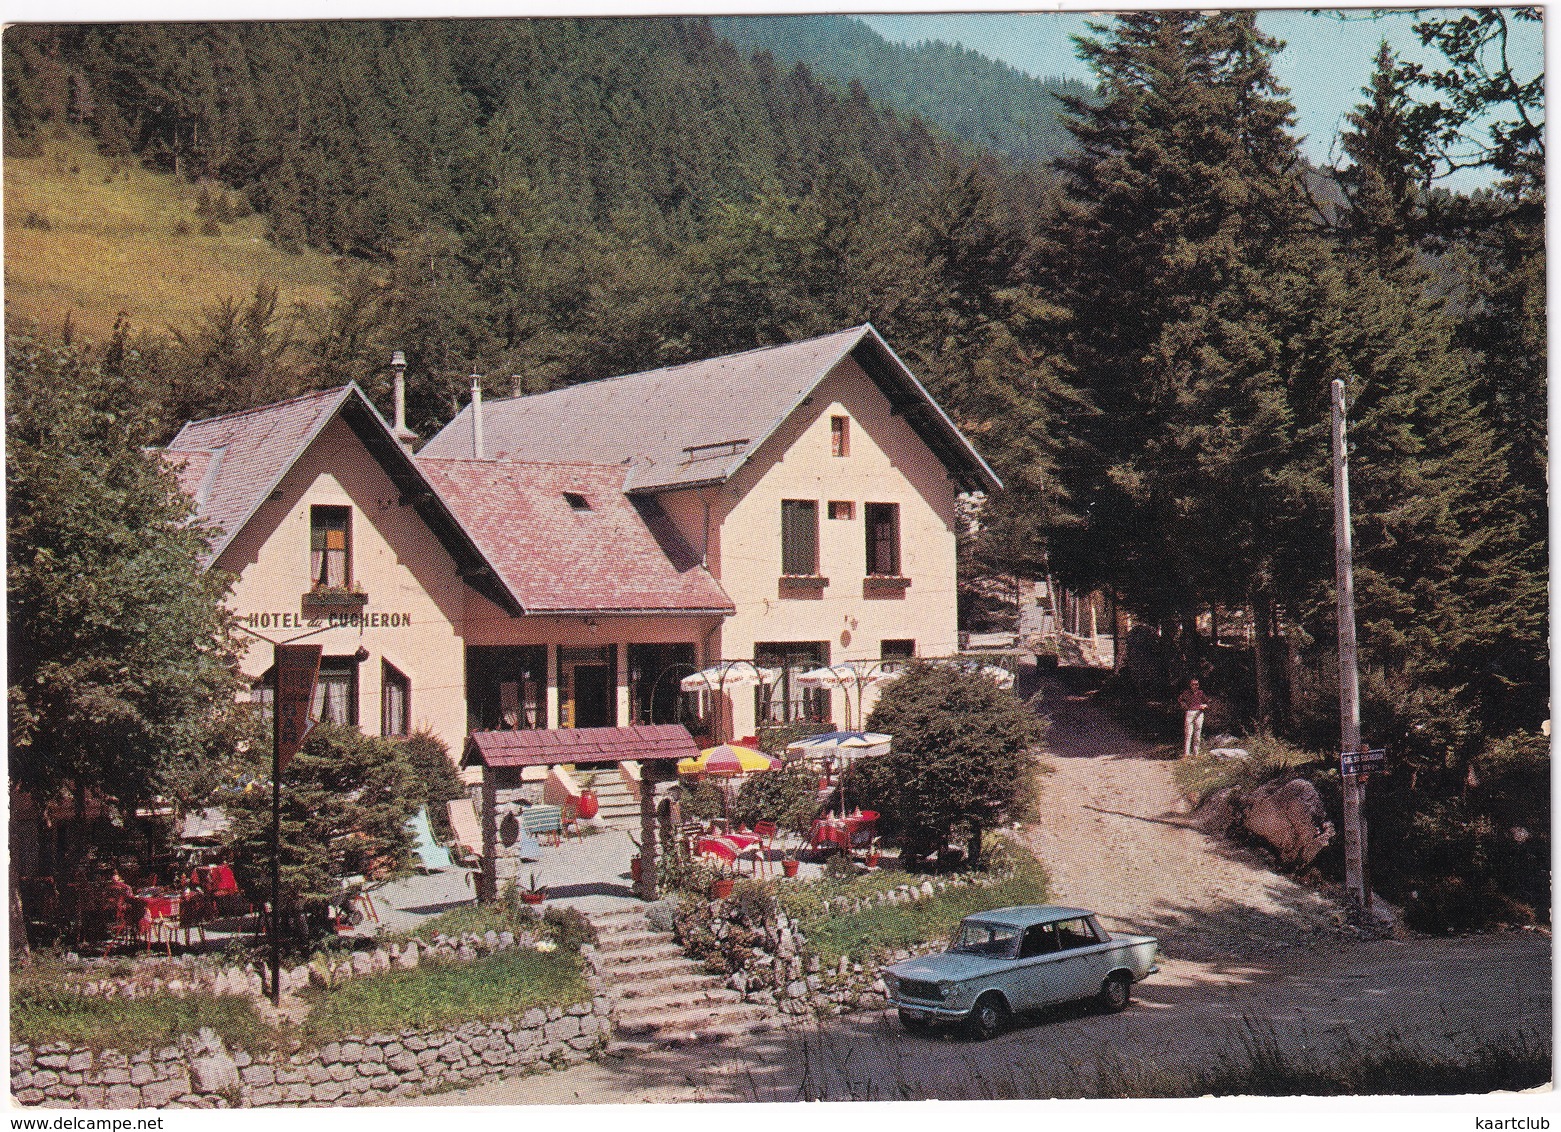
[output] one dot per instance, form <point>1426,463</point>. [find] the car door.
<point>1080,966</point>
<point>1033,979</point>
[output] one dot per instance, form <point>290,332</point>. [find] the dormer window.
<point>330,547</point>
<point>576,501</point>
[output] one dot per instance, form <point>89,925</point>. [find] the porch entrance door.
<point>594,695</point>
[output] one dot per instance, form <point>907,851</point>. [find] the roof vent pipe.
<point>477,453</point>
<point>404,436</point>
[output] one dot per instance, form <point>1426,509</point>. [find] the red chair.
<point>766,832</point>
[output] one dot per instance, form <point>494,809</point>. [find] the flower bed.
<point>785,944</point>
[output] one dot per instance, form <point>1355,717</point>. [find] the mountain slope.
<point>976,99</point>
<point>88,237</point>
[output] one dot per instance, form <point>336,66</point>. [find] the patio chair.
<point>536,820</point>
<point>434,858</point>
<point>569,821</point>
<point>196,910</point>
<point>357,898</point>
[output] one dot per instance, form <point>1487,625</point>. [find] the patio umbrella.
<point>728,675</point>
<point>727,762</point>
<point>838,743</point>
<point>852,674</point>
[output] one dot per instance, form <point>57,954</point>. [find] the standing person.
<point>1193,703</point>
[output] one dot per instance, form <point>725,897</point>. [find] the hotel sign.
<point>358,619</point>
<point>297,670</point>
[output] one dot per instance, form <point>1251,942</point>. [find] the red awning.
<point>579,745</point>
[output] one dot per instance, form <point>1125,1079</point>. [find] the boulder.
<point>1289,817</point>
<point>1217,813</point>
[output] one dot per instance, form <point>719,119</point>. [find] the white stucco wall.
<point>416,598</point>
<point>888,463</point>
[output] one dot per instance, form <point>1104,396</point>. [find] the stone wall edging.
<point>200,1072</point>
<point>185,975</point>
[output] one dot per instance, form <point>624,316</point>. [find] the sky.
<point>1326,61</point>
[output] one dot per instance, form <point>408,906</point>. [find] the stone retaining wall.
<point>202,1073</point>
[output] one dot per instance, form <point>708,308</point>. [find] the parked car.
<point>1014,959</point>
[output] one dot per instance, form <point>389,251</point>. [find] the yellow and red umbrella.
<point>728,760</point>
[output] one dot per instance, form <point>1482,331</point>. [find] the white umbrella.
<point>731,674</point>
<point>727,676</point>
<point>851,674</point>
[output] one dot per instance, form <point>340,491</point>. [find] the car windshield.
<point>976,938</point>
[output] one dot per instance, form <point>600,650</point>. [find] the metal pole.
<point>1355,878</point>
<point>276,827</point>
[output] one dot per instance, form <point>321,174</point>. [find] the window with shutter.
<point>330,553</point>
<point>883,539</point>
<point>799,537</point>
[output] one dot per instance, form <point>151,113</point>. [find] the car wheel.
<point>1116,993</point>
<point>915,1025</point>
<point>988,1017</point>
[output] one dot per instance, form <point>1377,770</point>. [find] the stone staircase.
<point>618,806</point>
<point>660,997</point>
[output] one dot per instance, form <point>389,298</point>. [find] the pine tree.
<point>1178,257</point>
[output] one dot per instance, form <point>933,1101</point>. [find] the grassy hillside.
<point>87,237</point>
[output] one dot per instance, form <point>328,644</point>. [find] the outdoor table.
<point>855,831</point>
<point>159,905</point>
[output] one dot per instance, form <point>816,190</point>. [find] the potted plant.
<point>789,863</point>
<point>589,803</point>
<point>721,886</point>
<point>533,893</point>
<point>636,862</point>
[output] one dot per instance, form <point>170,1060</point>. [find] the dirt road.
<point>1246,951</point>
<point>1115,836</point>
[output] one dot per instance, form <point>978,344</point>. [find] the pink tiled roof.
<point>579,745</point>
<point>247,454</point>
<point>618,556</point>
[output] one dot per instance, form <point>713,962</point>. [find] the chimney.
<point>477,453</point>
<point>404,436</point>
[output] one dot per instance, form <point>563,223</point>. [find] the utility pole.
<point>1357,880</point>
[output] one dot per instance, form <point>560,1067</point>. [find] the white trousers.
<point>1192,733</point>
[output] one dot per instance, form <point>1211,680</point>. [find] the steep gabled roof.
<point>231,464</point>
<point>699,422</point>
<point>601,552</point>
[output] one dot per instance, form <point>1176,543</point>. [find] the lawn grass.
<point>45,1008</point>
<point>880,928</point>
<point>88,237</point>
<point>503,985</point>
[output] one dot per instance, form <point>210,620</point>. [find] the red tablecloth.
<point>727,846</point>
<point>218,880</point>
<point>848,833</point>
<point>159,906</point>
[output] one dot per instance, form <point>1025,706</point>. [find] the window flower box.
<point>337,597</point>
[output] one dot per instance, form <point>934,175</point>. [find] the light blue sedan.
<point>1014,959</point>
